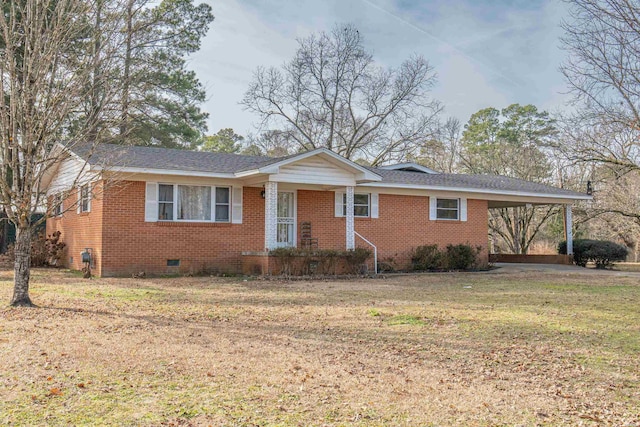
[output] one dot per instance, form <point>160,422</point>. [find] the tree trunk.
<point>22,268</point>
<point>124,115</point>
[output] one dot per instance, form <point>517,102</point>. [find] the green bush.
<point>427,257</point>
<point>601,252</point>
<point>462,257</point>
<point>453,257</point>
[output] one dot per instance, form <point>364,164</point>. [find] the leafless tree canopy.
<point>333,95</point>
<point>46,72</point>
<point>602,38</point>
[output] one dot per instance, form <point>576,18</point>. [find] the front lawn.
<point>437,349</point>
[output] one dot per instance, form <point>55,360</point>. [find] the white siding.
<point>67,175</point>
<point>315,171</point>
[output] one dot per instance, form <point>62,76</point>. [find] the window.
<point>85,198</point>
<point>193,203</point>
<point>57,204</point>
<point>448,209</point>
<point>165,202</point>
<point>360,205</point>
<point>223,205</point>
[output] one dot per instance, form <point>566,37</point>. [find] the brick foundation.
<point>532,259</point>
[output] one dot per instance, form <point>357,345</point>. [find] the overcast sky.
<point>488,53</point>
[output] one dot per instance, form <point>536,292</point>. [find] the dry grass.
<point>437,349</point>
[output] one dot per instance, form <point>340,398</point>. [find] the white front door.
<point>286,219</point>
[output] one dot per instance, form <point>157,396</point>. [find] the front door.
<point>286,219</point>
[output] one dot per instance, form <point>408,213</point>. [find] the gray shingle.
<point>111,155</point>
<point>478,182</point>
<point>206,162</point>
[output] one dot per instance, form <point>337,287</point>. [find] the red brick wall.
<point>403,224</point>
<point>132,245</point>
<point>80,231</point>
<point>128,244</point>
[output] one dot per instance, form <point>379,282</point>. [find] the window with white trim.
<point>165,202</point>
<point>85,198</point>
<point>177,202</point>
<point>223,204</point>
<point>361,205</point>
<point>57,204</point>
<point>448,209</point>
<point>194,203</point>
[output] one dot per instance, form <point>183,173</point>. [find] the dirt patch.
<point>432,349</point>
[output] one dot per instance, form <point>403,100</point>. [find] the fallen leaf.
<point>55,392</point>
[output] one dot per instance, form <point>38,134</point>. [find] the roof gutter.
<point>576,196</point>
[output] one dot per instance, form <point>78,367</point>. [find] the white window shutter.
<point>236,208</point>
<point>151,202</point>
<point>339,204</point>
<point>463,209</point>
<point>79,199</point>
<point>433,208</point>
<point>374,205</point>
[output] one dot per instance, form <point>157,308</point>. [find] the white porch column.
<point>351,237</point>
<point>569,229</point>
<point>270,214</point>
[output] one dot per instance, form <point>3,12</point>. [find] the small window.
<point>165,202</point>
<point>448,209</point>
<point>360,205</point>
<point>85,198</point>
<point>173,263</point>
<point>223,204</point>
<point>57,204</point>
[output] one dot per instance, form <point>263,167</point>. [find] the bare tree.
<point>603,72</point>
<point>46,73</point>
<point>333,95</point>
<point>442,151</point>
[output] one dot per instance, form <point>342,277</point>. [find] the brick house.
<point>161,210</point>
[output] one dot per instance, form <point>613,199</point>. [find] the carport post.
<point>568,229</point>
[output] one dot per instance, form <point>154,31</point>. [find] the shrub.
<point>601,252</point>
<point>462,257</point>
<point>295,262</point>
<point>327,260</point>
<point>45,251</point>
<point>427,257</point>
<point>355,259</point>
<point>285,258</point>
<point>453,257</point>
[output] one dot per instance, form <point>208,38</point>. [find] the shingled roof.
<point>464,181</point>
<point>125,156</point>
<point>155,158</point>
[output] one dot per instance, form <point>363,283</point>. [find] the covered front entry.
<point>286,222</point>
